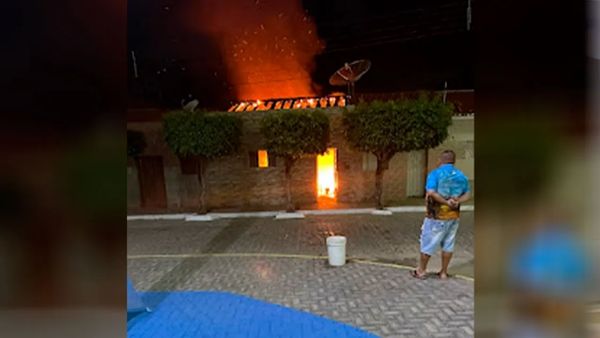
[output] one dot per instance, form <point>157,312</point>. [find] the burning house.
<point>267,51</point>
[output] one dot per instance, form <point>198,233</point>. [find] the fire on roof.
<point>291,103</point>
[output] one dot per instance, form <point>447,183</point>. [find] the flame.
<point>241,106</point>
<point>268,49</point>
<point>290,103</point>
<point>323,102</point>
<point>326,174</point>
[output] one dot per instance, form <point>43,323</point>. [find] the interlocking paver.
<point>387,238</point>
<point>380,299</point>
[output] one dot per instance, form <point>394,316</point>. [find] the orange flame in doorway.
<point>326,174</point>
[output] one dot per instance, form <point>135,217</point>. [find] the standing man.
<point>446,188</point>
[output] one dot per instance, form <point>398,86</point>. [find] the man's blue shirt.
<point>447,181</point>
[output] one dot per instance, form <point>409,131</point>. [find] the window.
<point>369,162</point>
<point>261,159</point>
<point>272,160</point>
<point>253,159</point>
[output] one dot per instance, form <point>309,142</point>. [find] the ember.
<point>268,47</point>
<point>293,103</point>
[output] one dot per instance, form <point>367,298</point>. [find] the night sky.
<point>413,45</point>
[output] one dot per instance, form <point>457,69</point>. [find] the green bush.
<point>207,135</point>
<point>386,128</point>
<point>292,133</point>
<point>203,136</point>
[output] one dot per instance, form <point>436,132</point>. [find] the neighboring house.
<point>252,179</point>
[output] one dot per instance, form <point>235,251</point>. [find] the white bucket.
<point>336,249</point>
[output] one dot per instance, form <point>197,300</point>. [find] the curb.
<point>282,214</point>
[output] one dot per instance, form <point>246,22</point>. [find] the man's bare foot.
<point>443,275</point>
<point>418,274</point>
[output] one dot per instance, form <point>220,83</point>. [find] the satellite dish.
<point>349,74</point>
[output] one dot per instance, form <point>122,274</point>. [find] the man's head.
<point>447,156</point>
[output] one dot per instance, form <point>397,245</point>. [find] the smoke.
<point>267,45</point>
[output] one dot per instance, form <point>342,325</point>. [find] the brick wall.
<point>234,185</point>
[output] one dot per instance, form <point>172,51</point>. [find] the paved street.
<point>283,262</point>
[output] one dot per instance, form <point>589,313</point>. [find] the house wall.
<point>234,185</point>
<point>461,140</point>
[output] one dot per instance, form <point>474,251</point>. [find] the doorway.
<point>152,182</point>
<point>327,182</point>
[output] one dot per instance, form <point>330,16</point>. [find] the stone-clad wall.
<point>234,185</point>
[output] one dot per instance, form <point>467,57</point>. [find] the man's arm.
<point>437,197</point>
<point>455,202</point>
<point>464,197</point>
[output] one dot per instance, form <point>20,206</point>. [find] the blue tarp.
<point>134,300</point>
<point>220,314</point>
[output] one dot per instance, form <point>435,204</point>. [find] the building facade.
<point>252,179</point>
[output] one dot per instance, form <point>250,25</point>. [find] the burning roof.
<point>291,103</point>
